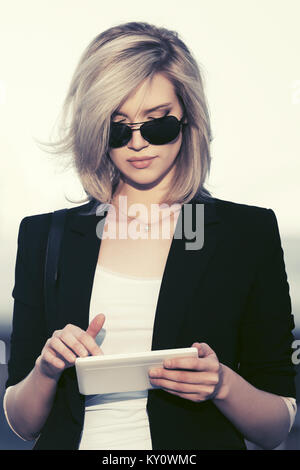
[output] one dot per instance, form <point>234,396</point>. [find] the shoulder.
<point>233,209</point>
<point>39,223</point>
<point>253,223</point>
<point>240,214</point>
<point>34,229</point>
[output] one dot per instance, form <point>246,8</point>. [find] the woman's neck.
<point>151,207</point>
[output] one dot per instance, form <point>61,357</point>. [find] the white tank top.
<point>120,420</point>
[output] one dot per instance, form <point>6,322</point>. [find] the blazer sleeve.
<point>266,331</point>
<point>28,326</point>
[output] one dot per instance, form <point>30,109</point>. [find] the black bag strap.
<point>51,263</point>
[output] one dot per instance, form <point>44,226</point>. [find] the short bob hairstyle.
<point>110,68</point>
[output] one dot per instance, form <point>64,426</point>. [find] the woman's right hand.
<point>64,346</point>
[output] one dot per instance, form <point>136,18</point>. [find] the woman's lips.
<point>142,163</point>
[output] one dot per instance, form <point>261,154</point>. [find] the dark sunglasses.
<point>157,131</point>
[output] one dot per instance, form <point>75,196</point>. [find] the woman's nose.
<point>137,141</point>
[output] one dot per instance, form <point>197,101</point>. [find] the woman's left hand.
<point>202,381</point>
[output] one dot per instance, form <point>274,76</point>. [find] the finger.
<point>58,346</point>
<point>50,358</point>
<point>191,396</point>
<point>204,349</point>
<point>182,387</point>
<point>57,333</point>
<point>188,363</point>
<point>199,378</point>
<point>72,342</point>
<point>96,325</point>
<point>89,343</point>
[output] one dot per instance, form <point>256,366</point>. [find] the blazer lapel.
<point>182,275</point>
<point>80,250</point>
<point>183,271</point>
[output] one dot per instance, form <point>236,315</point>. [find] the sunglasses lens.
<point>161,131</point>
<point>120,135</point>
<point>157,132</point>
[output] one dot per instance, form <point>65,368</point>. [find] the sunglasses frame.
<point>129,124</point>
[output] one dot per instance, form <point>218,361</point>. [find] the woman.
<point>137,93</point>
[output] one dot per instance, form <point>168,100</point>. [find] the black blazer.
<point>232,294</point>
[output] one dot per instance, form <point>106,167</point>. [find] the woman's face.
<point>160,92</point>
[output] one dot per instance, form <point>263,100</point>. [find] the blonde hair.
<point>110,68</point>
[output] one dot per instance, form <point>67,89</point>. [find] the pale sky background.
<point>248,51</point>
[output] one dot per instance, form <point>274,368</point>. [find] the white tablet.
<point>116,373</point>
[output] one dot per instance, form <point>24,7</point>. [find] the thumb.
<point>203,349</point>
<point>96,325</point>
